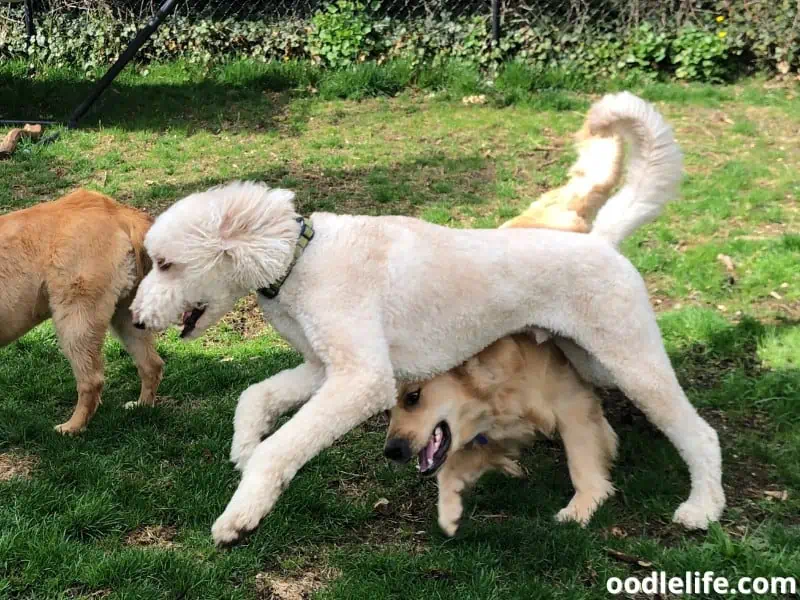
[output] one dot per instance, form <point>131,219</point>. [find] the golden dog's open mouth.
<point>433,455</point>
<point>190,318</point>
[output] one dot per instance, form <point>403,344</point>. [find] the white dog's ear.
<point>257,232</point>
<point>494,366</point>
<point>259,268</point>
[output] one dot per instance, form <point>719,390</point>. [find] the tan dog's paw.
<point>69,428</point>
<point>582,506</point>
<point>575,514</point>
<point>449,525</point>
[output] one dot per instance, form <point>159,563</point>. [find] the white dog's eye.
<point>163,265</point>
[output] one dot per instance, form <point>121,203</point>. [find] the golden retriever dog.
<point>78,260</point>
<point>483,412</point>
<point>478,416</point>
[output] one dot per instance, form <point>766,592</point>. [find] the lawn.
<point>125,510</point>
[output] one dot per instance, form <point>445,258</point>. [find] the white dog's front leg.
<point>261,404</point>
<point>346,399</point>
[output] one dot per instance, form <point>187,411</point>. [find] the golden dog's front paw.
<point>448,525</point>
<point>70,428</point>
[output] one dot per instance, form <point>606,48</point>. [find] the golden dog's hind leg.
<point>591,446</point>
<point>81,333</point>
<point>140,344</point>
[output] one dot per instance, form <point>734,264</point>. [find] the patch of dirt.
<point>158,536</point>
<point>16,465</point>
<point>760,232</point>
<point>83,594</point>
<point>270,586</point>
<point>247,319</point>
<point>745,479</point>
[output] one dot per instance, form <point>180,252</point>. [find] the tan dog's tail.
<point>136,225</point>
<point>654,166</point>
<point>592,177</point>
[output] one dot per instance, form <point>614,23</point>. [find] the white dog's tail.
<point>654,168</point>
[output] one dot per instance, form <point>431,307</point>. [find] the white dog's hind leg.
<point>263,403</point>
<point>640,366</point>
<point>587,366</point>
<point>347,398</point>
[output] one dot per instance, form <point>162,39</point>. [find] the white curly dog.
<point>371,301</point>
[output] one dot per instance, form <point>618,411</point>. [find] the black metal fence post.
<point>30,27</point>
<point>133,47</point>
<point>496,22</point>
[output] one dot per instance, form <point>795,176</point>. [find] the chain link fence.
<point>619,14</point>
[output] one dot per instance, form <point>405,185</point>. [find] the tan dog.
<point>482,413</point>
<point>476,418</point>
<point>78,260</point>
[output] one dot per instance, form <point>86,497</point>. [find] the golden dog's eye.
<point>412,398</point>
<point>163,265</point>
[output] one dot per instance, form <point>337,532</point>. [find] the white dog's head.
<point>212,248</point>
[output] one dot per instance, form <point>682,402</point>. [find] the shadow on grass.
<point>138,104</point>
<point>407,188</point>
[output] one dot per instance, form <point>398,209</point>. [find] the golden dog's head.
<point>442,415</point>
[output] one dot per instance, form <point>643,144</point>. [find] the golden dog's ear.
<point>494,366</point>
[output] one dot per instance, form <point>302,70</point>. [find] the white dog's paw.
<point>254,498</point>
<point>697,515</point>
<point>233,524</point>
<point>132,404</point>
<point>241,451</point>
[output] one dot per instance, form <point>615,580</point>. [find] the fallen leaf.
<point>621,556</point>
<point>782,495</point>
<point>618,532</point>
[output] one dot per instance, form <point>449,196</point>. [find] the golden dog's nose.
<point>398,450</point>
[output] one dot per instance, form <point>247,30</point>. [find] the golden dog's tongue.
<point>427,453</point>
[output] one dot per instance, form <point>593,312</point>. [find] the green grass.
<point>124,510</point>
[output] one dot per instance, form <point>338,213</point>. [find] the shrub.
<point>724,40</point>
<point>700,54</point>
<point>344,33</point>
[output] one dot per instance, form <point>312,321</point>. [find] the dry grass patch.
<point>16,465</point>
<point>247,319</point>
<point>152,536</point>
<point>270,586</point>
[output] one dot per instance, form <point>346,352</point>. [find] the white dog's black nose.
<point>139,325</point>
<point>397,449</point>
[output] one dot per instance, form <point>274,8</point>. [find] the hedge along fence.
<point>708,41</point>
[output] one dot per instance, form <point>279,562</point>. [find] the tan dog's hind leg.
<point>591,446</point>
<point>81,332</point>
<point>140,345</point>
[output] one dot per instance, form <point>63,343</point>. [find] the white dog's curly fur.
<point>373,300</point>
